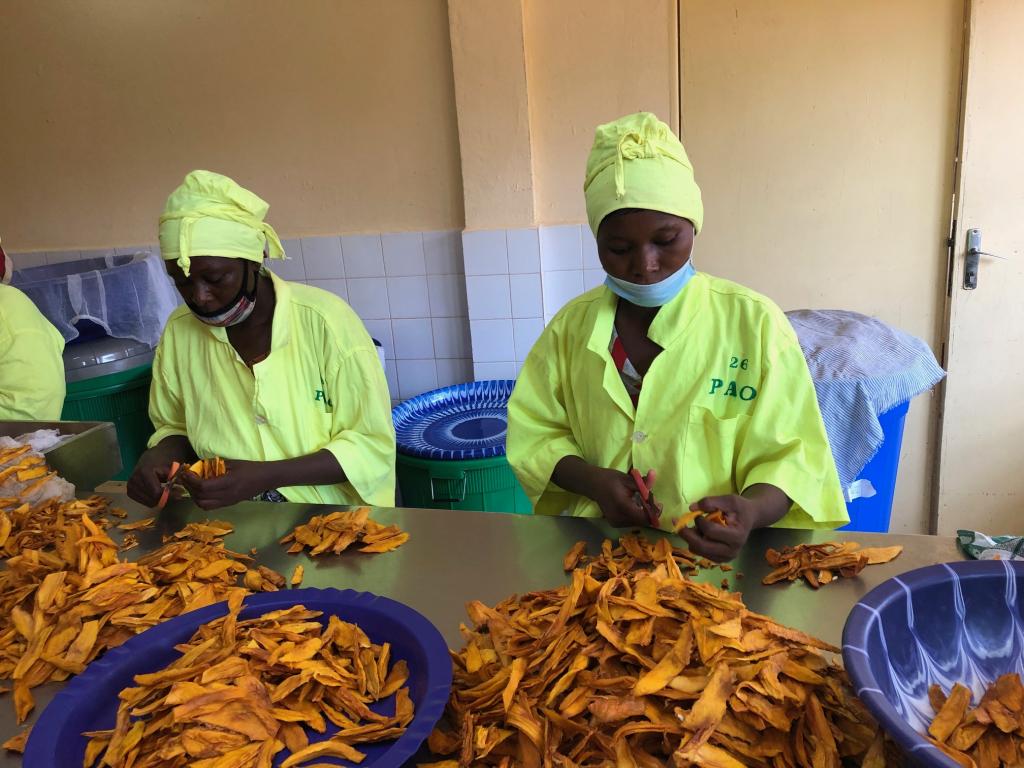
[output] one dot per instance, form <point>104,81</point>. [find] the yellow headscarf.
<point>637,162</point>
<point>211,215</point>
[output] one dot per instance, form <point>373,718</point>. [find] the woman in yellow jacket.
<point>668,369</point>
<point>31,367</point>
<point>278,378</point>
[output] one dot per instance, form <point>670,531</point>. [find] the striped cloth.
<point>861,368</point>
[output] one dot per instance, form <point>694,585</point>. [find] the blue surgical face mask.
<point>656,294</point>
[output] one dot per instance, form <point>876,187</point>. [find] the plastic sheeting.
<point>861,368</point>
<point>130,297</point>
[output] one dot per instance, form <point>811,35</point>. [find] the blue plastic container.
<point>873,514</point>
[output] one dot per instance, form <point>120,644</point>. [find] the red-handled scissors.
<point>645,486</point>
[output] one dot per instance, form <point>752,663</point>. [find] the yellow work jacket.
<point>31,367</point>
<point>321,386</point>
<point>728,404</point>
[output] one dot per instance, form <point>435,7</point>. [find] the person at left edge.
<point>279,379</point>
<point>31,367</point>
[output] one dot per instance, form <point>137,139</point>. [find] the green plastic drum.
<point>451,449</point>
<point>485,485</point>
<point>106,382</point>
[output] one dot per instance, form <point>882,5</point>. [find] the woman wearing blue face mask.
<point>279,379</point>
<point>668,369</point>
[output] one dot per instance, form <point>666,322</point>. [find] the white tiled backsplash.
<point>516,281</point>
<point>448,308</point>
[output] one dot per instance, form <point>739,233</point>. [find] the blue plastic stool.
<point>872,514</point>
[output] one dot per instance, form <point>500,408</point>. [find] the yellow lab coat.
<point>729,403</point>
<point>31,367</point>
<point>322,386</point>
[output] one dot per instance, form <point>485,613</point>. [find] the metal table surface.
<point>453,557</point>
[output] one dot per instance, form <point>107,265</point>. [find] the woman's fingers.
<point>711,549</point>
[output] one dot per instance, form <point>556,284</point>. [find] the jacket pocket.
<point>709,454</point>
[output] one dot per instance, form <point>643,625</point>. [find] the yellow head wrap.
<point>211,215</point>
<point>637,162</point>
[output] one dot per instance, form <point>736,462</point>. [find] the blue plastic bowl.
<point>89,701</point>
<point>954,622</point>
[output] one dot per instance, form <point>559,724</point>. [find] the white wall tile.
<point>322,258</point>
<point>492,340</point>
<point>451,337</point>
<point>408,297</point>
<point>336,286</point>
<point>559,288</point>
<point>403,254</point>
<point>442,252</point>
<point>485,371</point>
<point>447,296</point>
<point>363,255</point>
<point>489,297</point>
<point>416,377</point>
<point>451,372</point>
<point>593,278</point>
<point>523,251</point>
<point>526,333</point>
<point>381,331</point>
<point>560,248</point>
<point>28,260</point>
<point>414,339</point>
<point>486,252</point>
<point>590,258</point>
<point>293,267</point>
<point>527,299</point>
<point>369,297</point>
<point>391,374</point>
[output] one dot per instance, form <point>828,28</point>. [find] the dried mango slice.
<point>633,664</point>
<point>335,532</point>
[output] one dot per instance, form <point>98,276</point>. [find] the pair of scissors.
<point>645,486</point>
<point>172,475</point>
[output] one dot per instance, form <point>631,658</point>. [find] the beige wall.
<point>488,56</point>
<point>339,112</point>
<point>589,62</point>
<point>822,134</point>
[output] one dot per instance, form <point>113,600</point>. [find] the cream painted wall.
<point>493,108</point>
<point>822,134</point>
<point>339,112</point>
<point>589,62</point>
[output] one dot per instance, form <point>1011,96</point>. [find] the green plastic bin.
<point>451,449</point>
<point>104,385</point>
<point>486,485</point>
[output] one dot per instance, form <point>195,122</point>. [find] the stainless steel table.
<point>454,557</point>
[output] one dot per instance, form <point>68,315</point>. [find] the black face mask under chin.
<point>239,308</point>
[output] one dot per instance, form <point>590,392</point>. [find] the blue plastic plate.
<point>89,701</point>
<point>466,421</point>
<point>949,623</point>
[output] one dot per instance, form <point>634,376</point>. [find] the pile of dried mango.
<point>335,532</point>
<point>819,563</point>
<point>66,597</point>
<point>635,665</point>
<point>989,735</point>
<point>243,690</point>
<point>25,477</point>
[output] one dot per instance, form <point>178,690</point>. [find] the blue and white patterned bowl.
<point>459,423</point>
<point>948,623</point>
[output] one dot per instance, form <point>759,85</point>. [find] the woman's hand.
<point>618,497</point>
<point>146,484</point>
<point>242,481</point>
<point>759,506</point>
<point>721,542</point>
<point>615,492</point>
